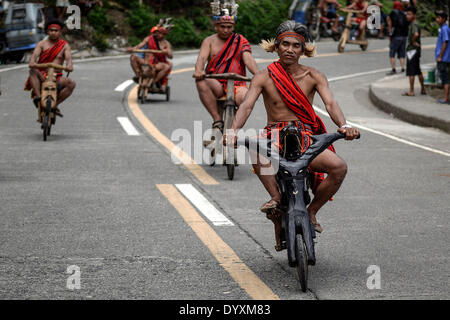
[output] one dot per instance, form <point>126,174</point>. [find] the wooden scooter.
<point>49,96</point>
<point>345,37</point>
<point>147,80</point>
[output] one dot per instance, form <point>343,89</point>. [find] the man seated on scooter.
<point>155,41</point>
<point>288,89</point>
<point>225,52</point>
<point>51,50</point>
<point>328,9</point>
<point>361,16</point>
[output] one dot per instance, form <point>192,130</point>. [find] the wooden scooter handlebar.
<point>145,51</point>
<point>51,65</point>
<point>349,10</point>
<point>228,76</point>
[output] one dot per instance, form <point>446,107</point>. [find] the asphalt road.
<point>94,197</point>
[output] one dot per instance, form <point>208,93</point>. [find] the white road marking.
<point>359,74</point>
<point>13,68</point>
<point>128,126</point>
<point>203,205</point>
<point>386,135</point>
<point>124,85</point>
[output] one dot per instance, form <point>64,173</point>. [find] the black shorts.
<point>413,66</point>
<point>397,46</point>
<point>443,68</point>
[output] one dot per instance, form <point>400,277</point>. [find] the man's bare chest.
<point>273,94</point>
<point>60,54</point>
<point>216,47</point>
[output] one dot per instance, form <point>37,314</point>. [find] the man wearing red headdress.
<point>155,41</point>
<point>288,88</point>
<point>51,50</point>
<point>225,52</point>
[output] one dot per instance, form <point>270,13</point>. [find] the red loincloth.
<point>153,44</point>
<point>229,59</point>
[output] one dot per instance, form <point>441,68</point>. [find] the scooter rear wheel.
<point>46,125</point>
<point>302,262</point>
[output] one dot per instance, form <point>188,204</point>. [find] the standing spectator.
<point>443,53</point>
<point>413,52</point>
<point>398,34</point>
<point>61,8</point>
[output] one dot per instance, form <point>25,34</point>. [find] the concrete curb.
<point>406,115</point>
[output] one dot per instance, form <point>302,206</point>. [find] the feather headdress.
<point>224,12</point>
<point>163,26</point>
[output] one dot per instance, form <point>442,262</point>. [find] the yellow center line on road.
<point>184,158</point>
<point>224,254</point>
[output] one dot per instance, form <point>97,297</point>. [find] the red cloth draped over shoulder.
<point>47,56</point>
<point>153,44</point>
<point>229,59</point>
<point>298,102</point>
<point>295,99</point>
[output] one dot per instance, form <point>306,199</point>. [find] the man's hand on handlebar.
<point>350,133</point>
<point>199,75</point>
<point>130,49</point>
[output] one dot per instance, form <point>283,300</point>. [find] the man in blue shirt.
<point>443,53</point>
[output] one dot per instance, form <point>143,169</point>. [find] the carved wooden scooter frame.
<point>147,79</point>
<point>345,37</point>
<point>49,96</point>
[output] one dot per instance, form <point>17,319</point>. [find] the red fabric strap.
<point>54,26</point>
<point>291,34</point>
<point>295,99</point>
<point>48,56</point>
<point>229,58</point>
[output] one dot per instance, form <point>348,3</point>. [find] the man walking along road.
<point>443,53</point>
<point>398,34</point>
<point>413,52</point>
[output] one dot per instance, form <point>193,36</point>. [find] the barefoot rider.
<point>155,41</point>
<point>225,52</point>
<point>288,89</point>
<point>51,50</point>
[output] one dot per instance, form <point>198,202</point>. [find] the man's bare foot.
<point>269,206</point>
<point>317,226</point>
<point>408,94</point>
